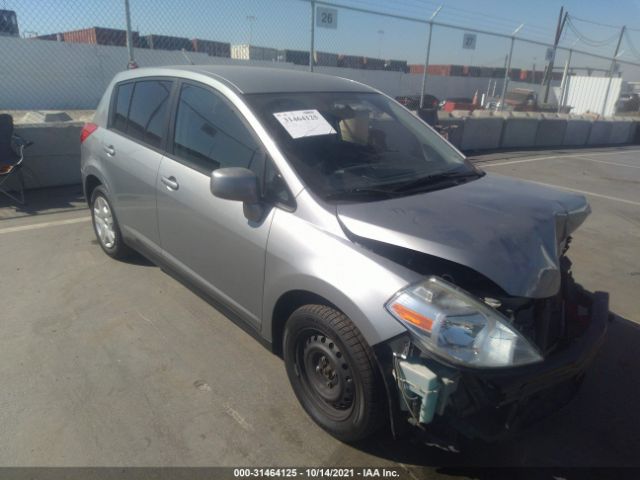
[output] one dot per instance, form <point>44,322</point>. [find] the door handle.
<point>110,150</point>
<point>170,182</point>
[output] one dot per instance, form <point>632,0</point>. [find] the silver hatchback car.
<point>401,284</point>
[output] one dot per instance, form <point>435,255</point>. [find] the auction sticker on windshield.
<point>304,123</point>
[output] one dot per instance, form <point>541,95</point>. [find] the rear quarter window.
<point>121,106</point>
<point>148,111</point>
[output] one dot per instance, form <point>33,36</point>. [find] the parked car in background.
<point>412,102</point>
<point>399,282</point>
<point>628,102</point>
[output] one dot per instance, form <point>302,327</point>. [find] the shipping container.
<point>251,52</point>
<point>439,70</point>
<point>473,71</point>
<point>211,47</point>
<point>164,42</point>
<point>415,68</point>
<point>56,37</point>
<point>325,59</point>
<point>396,65</point>
<point>100,36</point>
<point>514,74</point>
<point>349,61</point>
<point>297,57</point>
<point>455,70</point>
<point>369,63</point>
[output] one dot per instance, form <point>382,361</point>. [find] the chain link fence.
<point>61,55</point>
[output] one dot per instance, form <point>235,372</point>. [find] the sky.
<point>286,24</point>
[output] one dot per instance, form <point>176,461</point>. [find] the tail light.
<point>87,130</point>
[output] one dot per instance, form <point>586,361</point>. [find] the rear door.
<point>131,150</point>
<point>206,238</point>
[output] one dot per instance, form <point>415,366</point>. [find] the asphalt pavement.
<point>107,363</point>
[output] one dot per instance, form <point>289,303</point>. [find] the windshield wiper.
<point>436,178</point>
<point>361,191</point>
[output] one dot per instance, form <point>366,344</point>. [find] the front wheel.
<point>333,373</point>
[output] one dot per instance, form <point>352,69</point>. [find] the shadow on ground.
<point>599,428</point>
<point>44,201</point>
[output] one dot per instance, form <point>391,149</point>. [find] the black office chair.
<point>11,156</point>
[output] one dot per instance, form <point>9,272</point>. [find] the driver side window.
<point>209,133</point>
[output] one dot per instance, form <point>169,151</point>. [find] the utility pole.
<point>562,19</point>
<point>426,60</point>
<point>611,69</point>
<point>127,11</point>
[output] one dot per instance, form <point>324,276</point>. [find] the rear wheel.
<point>333,372</point>
<point>105,225</point>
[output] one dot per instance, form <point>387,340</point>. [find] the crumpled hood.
<point>508,230</point>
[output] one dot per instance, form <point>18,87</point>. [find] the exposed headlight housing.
<point>453,324</point>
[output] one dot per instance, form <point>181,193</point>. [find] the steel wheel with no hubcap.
<point>326,374</point>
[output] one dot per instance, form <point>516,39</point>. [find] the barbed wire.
<point>589,41</point>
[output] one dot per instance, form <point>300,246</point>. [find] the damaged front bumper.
<point>446,401</point>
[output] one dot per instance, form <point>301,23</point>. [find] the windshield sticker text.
<point>304,123</point>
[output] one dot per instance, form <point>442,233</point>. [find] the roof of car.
<point>249,79</point>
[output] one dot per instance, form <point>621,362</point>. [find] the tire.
<point>112,244</point>
<point>333,372</point>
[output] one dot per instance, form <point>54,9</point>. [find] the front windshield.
<point>351,143</point>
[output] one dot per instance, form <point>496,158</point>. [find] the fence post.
<point>426,66</point>
<point>611,69</point>
<point>127,11</point>
<point>508,67</point>
<point>563,83</point>
<point>426,60</point>
<point>506,75</point>
<point>313,34</point>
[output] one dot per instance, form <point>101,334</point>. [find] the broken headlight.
<point>453,324</point>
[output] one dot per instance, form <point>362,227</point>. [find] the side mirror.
<point>239,184</point>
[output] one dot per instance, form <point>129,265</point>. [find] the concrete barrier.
<point>634,134</point>
<point>620,131</point>
<point>519,129</point>
<point>54,158</point>
<point>551,130</point>
<point>482,131</point>
<point>577,131</point>
<point>600,132</point>
<point>454,128</point>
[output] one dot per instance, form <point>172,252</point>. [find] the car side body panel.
<point>308,251</point>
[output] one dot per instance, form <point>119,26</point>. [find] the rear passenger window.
<point>121,110</point>
<point>148,111</point>
<point>209,133</point>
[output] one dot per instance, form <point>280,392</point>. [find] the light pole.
<point>250,19</point>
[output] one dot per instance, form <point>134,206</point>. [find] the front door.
<point>208,239</point>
